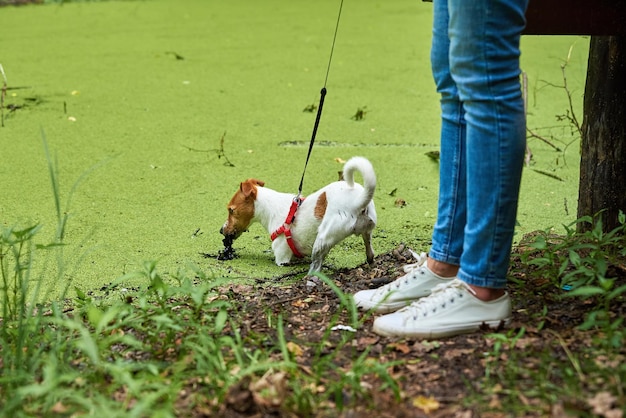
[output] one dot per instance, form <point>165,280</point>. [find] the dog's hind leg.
<point>317,257</point>
<point>364,226</point>
<point>369,251</point>
<point>321,248</point>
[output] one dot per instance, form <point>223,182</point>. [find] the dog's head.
<point>241,209</point>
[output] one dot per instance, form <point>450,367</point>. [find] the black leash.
<point>319,107</point>
<point>295,204</point>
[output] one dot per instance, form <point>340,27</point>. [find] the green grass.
<point>180,347</point>
<point>162,347</point>
<point>579,370</point>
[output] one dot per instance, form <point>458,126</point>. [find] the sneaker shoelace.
<point>421,261</point>
<point>440,297</point>
<point>411,270</point>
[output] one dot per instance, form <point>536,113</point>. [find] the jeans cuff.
<point>444,258</point>
<point>492,283</point>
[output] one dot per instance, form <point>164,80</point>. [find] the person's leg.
<point>442,264</point>
<point>484,62</point>
<point>448,232</point>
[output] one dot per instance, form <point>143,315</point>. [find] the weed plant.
<point>21,290</point>
<point>172,339</point>
<point>577,266</point>
<point>578,262</point>
<point>167,345</point>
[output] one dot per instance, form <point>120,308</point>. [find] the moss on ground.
<point>143,91</point>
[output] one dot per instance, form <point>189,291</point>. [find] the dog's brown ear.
<point>248,187</point>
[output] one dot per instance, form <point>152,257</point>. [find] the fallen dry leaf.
<point>59,408</point>
<point>270,390</point>
<point>602,404</point>
<point>295,349</point>
<point>457,352</point>
<point>401,347</point>
<point>367,341</point>
<point>427,405</point>
<point>300,303</point>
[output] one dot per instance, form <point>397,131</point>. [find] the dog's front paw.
<point>282,260</point>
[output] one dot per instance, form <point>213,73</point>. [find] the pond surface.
<point>163,107</point>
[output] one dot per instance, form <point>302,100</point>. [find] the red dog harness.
<point>284,229</point>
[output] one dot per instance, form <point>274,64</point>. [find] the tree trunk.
<point>603,147</point>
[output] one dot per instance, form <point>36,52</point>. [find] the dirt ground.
<point>445,371</point>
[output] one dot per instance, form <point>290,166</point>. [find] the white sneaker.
<point>417,283</point>
<point>451,309</point>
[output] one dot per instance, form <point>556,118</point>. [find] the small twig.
<point>289,275</point>
<point>281,301</point>
<point>175,55</point>
<point>3,94</point>
<point>533,134</point>
<point>525,92</point>
<point>573,360</point>
<point>529,154</point>
<point>570,115</point>
<point>198,150</point>
<point>545,173</point>
<point>220,152</point>
<point>573,118</point>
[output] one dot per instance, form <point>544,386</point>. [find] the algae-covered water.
<point>136,97</point>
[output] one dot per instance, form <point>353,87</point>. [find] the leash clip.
<point>295,204</point>
<point>297,200</point>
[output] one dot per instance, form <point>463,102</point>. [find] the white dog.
<point>313,227</point>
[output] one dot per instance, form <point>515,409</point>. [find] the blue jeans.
<point>475,63</point>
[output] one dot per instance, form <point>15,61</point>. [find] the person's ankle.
<point>442,269</point>
<point>487,294</point>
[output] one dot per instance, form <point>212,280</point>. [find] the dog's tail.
<point>363,166</point>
